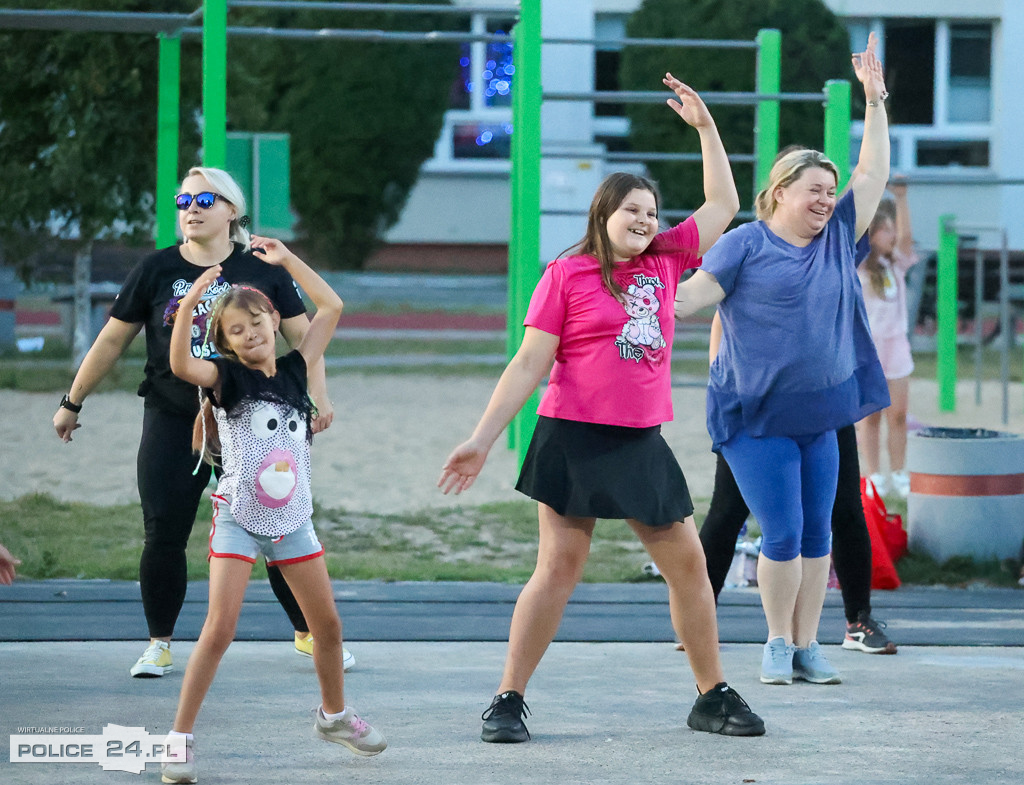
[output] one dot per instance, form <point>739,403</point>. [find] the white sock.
<point>188,736</point>
<point>332,717</point>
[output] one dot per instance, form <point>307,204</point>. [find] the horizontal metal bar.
<point>356,34</point>
<point>425,37</point>
<point>93,21</point>
<point>959,227</point>
<point>641,157</point>
<point>404,8</point>
<point>688,43</point>
<point>657,97</point>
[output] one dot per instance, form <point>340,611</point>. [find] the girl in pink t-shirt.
<point>604,317</point>
<point>883,279</point>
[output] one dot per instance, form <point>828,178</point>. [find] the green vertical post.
<point>946,311</point>
<point>215,77</point>
<point>766,119</point>
<point>167,123</point>
<point>524,229</point>
<point>837,127</point>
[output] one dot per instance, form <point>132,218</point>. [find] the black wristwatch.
<point>65,403</point>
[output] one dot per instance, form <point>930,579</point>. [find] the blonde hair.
<point>610,194</point>
<point>224,184</point>
<point>871,264</point>
<point>786,170</point>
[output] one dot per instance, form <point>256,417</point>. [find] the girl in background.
<point>883,277</point>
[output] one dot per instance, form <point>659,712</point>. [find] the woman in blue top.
<point>796,363</point>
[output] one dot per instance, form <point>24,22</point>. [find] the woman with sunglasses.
<point>211,208</point>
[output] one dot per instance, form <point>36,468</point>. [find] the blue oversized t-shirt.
<point>796,356</point>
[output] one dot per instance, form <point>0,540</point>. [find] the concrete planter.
<point>966,493</point>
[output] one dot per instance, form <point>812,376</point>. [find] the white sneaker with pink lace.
<point>350,731</point>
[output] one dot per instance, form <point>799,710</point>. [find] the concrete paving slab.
<point>605,713</point>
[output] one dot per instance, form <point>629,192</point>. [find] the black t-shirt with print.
<point>150,296</point>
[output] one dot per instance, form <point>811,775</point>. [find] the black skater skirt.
<point>588,470</point>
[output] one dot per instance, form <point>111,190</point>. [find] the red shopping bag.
<point>888,540</point>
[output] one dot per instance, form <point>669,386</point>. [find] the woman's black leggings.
<point>851,544</point>
<point>170,499</point>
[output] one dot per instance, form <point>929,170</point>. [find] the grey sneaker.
<point>352,732</point>
<point>180,771</point>
<point>777,662</point>
<point>810,665</point>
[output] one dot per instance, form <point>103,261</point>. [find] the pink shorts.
<point>894,354</point>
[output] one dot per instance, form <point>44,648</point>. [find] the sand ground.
<point>391,434</point>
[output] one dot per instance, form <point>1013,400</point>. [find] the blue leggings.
<point>789,485</point>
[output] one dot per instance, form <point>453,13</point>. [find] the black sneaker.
<point>722,710</point>
<point>866,635</point>
<point>503,720</point>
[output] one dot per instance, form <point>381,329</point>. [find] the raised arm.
<point>698,291</point>
<point>872,172</point>
<point>519,379</point>
<point>101,357</point>
<point>328,305</point>
<point>191,369</point>
<point>904,234</point>
<point>721,202</point>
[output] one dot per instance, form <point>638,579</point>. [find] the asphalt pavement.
<point>609,701</point>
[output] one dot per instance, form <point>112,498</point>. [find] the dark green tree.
<point>815,48</point>
<point>77,139</point>
<point>363,117</point>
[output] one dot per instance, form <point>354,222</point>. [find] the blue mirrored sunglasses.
<point>205,200</point>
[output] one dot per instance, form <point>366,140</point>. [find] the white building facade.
<point>959,138</point>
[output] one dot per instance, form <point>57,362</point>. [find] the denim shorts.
<point>228,540</point>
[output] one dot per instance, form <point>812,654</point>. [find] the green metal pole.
<point>946,312</point>
<point>766,122</point>
<point>837,127</point>
<point>215,77</point>
<point>167,122</point>
<point>524,240</point>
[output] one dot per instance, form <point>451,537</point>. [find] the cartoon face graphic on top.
<point>275,476</point>
<point>268,461</point>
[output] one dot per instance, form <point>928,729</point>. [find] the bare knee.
<point>218,633</point>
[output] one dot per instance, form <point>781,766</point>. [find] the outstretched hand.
<point>7,565</point>
<point>270,250</point>
<point>689,106</point>
<point>462,467</point>
<point>868,69</point>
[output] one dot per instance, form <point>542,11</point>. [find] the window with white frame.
<point>477,131</point>
<point>939,76</point>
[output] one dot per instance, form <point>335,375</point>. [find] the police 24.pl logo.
<point>119,748</point>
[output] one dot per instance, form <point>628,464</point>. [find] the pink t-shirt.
<point>887,313</point>
<point>613,363</point>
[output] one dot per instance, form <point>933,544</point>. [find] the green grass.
<point>492,542</point>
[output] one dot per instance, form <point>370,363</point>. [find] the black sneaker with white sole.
<point>503,719</point>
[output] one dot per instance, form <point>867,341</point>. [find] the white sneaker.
<point>901,483</point>
<point>881,483</point>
